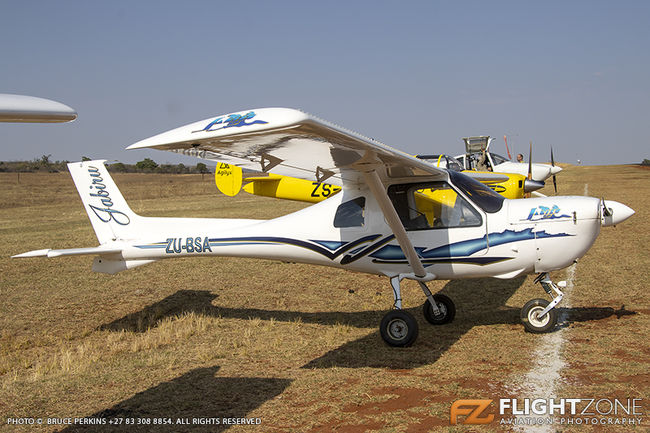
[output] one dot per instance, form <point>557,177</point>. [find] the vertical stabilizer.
<point>110,215</point>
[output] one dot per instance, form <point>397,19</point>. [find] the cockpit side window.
<point>498,159</point>
<point>463,162</point>
<point>350,213</point>
<point>432,205</point>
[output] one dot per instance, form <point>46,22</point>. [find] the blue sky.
<point>416,75</point>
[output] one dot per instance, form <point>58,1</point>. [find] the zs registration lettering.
<point>197,244</point>
<point>324,189</point>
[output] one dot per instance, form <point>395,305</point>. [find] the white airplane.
<point>30,109</point>
<point>474,147</point>
<point>380,223</point>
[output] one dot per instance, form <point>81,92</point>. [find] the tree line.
<point>147,165</point>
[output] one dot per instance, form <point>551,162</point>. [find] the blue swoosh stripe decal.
<point>345,246</point>
<point>458,252</point>
<point>468,260</point>
<point>465,248</point>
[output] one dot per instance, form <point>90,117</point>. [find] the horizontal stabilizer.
<point>105,263</point>
<point>69,252</point>
<point>108,266</point>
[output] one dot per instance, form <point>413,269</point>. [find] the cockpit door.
<point>443,225</point>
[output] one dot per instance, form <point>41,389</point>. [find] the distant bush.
<point>147,165</point>
<point>117,167</point>
<point>646,162</point>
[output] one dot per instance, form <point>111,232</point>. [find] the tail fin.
<point>110,215</point>
<point>228,178</point>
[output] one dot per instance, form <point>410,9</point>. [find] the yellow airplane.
<point>509,185</point>
<point>229,180</point>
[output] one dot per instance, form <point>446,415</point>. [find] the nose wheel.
<point>533,319</point>
<point>539,315</point>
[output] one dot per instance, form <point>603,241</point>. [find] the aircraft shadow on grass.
<point>195,394</point>
<point>480,302</point>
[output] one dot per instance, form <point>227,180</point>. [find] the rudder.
<point>109,214</point>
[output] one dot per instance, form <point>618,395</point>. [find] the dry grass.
<point>287,343</point>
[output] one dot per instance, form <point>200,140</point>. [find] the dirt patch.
<point>639,380</point>
<point>335,426</point>
<point>398,399</point>
<point>427,424</point>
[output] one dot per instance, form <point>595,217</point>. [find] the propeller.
<point>606,211</point>
<point>553,165</point>
<point>530,161</point>
<point>533,185</point>
<point>530,167</point>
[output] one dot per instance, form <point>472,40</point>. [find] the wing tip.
<point>270,117</point>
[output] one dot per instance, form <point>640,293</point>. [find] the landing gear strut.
<point>539,315</point>
<point>399,328</point>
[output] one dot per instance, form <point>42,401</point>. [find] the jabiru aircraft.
<point>380,223</point>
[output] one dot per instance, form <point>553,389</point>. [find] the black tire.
<point>534,324</point>
<point>446,307</point>
<point>398,328</point>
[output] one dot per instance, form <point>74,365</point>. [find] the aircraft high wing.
<point>290,143</point>
<point>30,109</point>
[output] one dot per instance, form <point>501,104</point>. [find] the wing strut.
<point>378,190</point>
<point>419,273</point>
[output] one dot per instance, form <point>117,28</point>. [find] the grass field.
<point>296,346</point>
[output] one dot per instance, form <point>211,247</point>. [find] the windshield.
<point>480,194</point>
<point>442,161</point>
<point>498,159</point>
<point>431,159</point>
<point>453,164</point>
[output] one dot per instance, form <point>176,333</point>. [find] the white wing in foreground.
<point>288,142</point>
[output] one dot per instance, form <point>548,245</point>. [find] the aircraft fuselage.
<point>524,236</point>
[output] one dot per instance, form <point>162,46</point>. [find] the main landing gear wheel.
<point>398,328</point>
<point>445,306</point>
<point>531,319</point>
